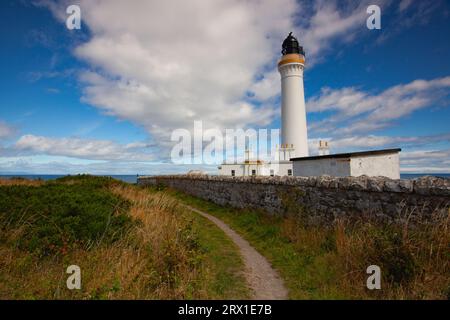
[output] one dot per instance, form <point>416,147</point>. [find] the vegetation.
<point>140,243</point>
<point>65,213</point>
<point>329,262</point>
<point>128,242</point>
<point>18,181</point>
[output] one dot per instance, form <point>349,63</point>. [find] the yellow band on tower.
<point>292,58</point>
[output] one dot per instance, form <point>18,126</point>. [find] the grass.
<point>18,181</point>
<point>330,261</point>
<point>140,243</point>
<point>130,243</point>
<point>55,215</point>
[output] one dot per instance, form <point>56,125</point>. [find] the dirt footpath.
<point>261,277</point>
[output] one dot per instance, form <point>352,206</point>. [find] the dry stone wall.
<point>324,196</point>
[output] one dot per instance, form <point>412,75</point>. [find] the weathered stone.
<point>311,182</point>
<point>324,197</point>
<point>391,186</point>
<point>324,181</point>
<point>405,185</point>
<point>429,185</point>
<point>343,183</point>
<point>358,183</point>
<point>375,184</point>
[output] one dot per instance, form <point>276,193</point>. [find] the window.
<point>289,172</point>
<point>272,173</point>
<point>233,173</point>
<point>253,172</point>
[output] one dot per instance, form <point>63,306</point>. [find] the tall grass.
<point>166,241</point>
<point>159,254</point>
<point>413,256</point>
<point>329,260</point>
<point>56,215</point>
<point>20,181</point>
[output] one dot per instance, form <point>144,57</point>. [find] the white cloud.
<point>163,68</point>
<point>425,161</point>
<point>425,155</point>
<point>358,111</point>
<point>6,130</point>
<point>60,165</point>
<point>413,158</point>
<point>410,13</point>
<point>168,63</point>
<point>81,148</point>
<point>319,27</point>
<point>366,142</point>
<point>326,23</point>
<point>404,4</point>
<point>267,87</point>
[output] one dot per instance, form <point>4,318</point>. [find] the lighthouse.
<point>292,156</point>
<point>294,136</point>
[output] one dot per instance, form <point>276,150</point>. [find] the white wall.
<point>279,169</point>
<point>333,167</point>
<point>387,165</point>
<point>225,169</point>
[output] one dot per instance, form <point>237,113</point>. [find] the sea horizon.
<point>132,178</point>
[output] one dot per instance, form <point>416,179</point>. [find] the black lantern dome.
<point>291,45</point>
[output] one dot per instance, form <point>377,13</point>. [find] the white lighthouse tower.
<point>294,136</point>
<point>292,155</point>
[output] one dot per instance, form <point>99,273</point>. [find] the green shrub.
<point>394,255</point>
<point>59,215</point>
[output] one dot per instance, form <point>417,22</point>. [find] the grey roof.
<point>349,154</point>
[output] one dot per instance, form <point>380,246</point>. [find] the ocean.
<point>133,178</point>
<point>126,178</point>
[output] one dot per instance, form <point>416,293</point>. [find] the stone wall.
<point>323,196</point>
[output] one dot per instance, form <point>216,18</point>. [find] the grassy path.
<point>222,264</point>
<point>261,277</point>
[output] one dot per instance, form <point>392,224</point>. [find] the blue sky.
<point>105,99</point>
